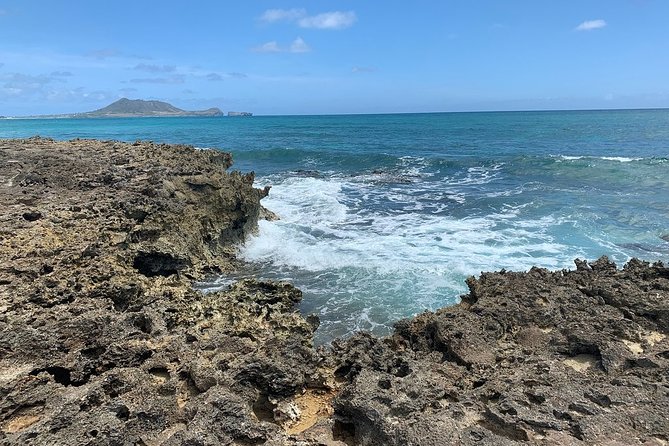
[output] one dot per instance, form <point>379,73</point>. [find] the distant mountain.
<point>138,107</point>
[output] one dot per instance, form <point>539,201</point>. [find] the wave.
<point>621,159</point>
<point>342,242</point>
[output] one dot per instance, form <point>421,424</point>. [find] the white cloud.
<point>329,20</point>
<point>279,15</point>
<point>269,47</point>
<point>299,46</point>
<point>589,25</point>
<point>326,20</point>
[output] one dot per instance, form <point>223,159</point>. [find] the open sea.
<point>384,216</point>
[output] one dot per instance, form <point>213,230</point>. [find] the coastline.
<point>105,341</point>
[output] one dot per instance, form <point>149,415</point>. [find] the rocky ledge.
<point>104,341</point>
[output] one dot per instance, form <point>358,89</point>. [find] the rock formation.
<point>554,358</point>
<point>104,340</point>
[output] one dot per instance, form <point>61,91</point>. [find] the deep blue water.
<point>383,216</point>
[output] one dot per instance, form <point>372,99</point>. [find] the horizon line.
<point>546,110</point>
<point>468,111</point>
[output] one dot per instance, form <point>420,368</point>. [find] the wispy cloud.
<point>61,74</point>
<point>590,25</point>
<point>79,94</point>
<point>329,20</point>
<point>107,53</point>
<point>363,69</point>
<point>103,53</point>
<point>297,46</point>
<point>127,90</point>
<point>19,84</point>
<point>149,68</point>
<point>268,47</point>
<point>214,77</point>
<point>326,20</point>
<point>217,77</point>
<point>42,87</point>
<point>176,79</point>
<point>3,12</point>
<point>282,15</point>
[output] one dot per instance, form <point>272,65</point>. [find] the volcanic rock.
<point>105,341</point>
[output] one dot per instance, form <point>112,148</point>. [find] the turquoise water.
<point>384,216</point>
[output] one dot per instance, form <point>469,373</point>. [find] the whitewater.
<point>385,216</point>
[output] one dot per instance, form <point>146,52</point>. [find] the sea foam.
<point>362,267</point>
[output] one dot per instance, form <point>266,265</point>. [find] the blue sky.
<point>316,57</point>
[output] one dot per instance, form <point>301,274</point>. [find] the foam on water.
<point>621,159</point>
<point>363,267</point>
<point>373,246</point>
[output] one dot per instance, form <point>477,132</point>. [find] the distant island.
<point>137,108</point>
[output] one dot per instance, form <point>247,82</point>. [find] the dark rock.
<point>103,339</point>
<point>540,357</point>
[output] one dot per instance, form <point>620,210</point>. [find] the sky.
<point>331,57</point>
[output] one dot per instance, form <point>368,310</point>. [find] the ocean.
<point>384,216</point>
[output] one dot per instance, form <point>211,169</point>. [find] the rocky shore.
<point>104,340</point>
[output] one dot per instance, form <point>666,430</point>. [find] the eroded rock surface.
<point>104,341</point>
<point>555,358</point>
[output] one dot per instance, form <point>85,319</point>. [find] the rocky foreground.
<point>104,341</point>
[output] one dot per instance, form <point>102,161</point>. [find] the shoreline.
<point>105,340</point>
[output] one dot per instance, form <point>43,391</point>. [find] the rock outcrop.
<point>104,340</point>
<point>554,358</point>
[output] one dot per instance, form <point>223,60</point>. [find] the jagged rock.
<point>104,340</point>
<point>566,357</point>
